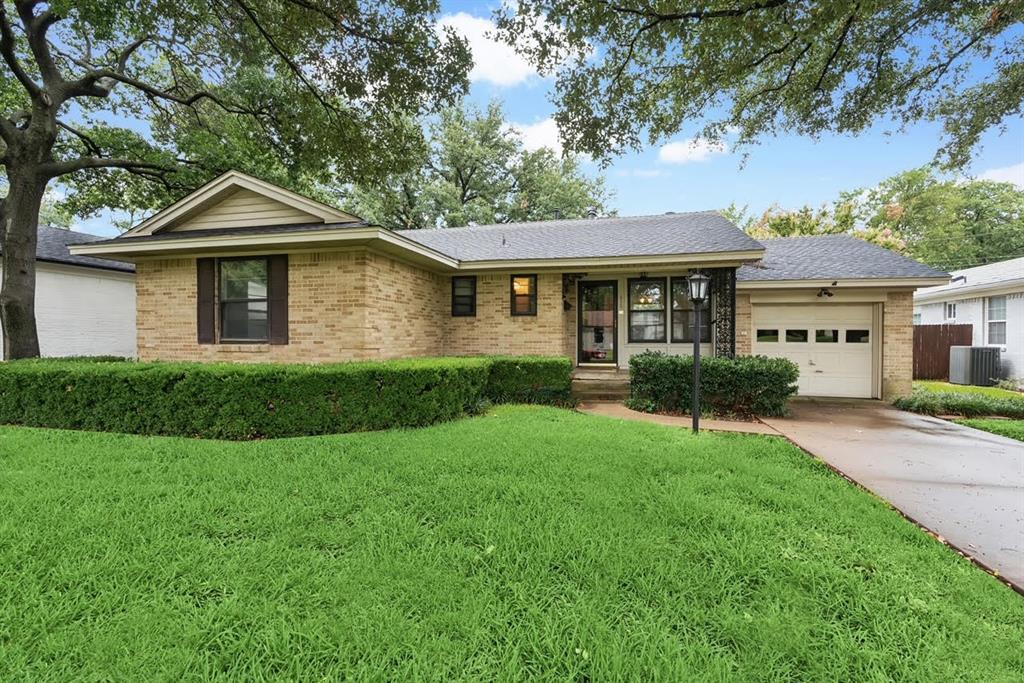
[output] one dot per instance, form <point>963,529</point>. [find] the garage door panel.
<point>831,362</point>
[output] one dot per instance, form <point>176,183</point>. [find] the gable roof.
<point>832,257</point>
<point>221,188</point>
<point>980,279</point>
<point>703,232</point>
<point>52,246</point>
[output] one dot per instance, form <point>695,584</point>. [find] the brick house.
<point>242,270</point>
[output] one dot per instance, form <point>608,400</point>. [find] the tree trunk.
<point>18,291</point>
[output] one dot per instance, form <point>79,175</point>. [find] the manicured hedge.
<point>747,385</point>
<point>246,401</point>
<point>966,405</point>
<point>529,379</point>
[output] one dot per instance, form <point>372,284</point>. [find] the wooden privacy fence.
<point>931,348</point>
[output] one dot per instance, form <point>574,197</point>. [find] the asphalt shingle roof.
<point>674,233</point>
<point>52,245</point>
<point>836,257</point>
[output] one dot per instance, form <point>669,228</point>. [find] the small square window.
<point>858,336</point>
<point>826,336</point>
<point>767,335</point>
<point>796,336</point>
<point>524,295</point>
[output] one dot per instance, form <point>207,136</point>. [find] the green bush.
<point>965,405</point>
<point>247,401</point>
<point>746,385</point>
<point>529,379</point>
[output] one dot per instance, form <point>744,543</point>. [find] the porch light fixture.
<point>697,284</point>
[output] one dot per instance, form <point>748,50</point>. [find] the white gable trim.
<point>209,193</point>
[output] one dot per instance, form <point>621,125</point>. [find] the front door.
<point>598,303</point>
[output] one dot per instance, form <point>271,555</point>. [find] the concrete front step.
<point>600,384</point>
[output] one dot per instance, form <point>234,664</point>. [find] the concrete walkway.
<point>963,484</point>
<point>616,409</point>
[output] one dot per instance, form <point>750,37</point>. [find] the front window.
<point>997,320</point>
<point>647,310</point>
<point>243,299</point>
<point>524,295</point>
<point>682,315</point>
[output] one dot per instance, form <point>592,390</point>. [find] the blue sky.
<point>788,171</point>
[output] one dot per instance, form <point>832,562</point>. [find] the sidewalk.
<point>615,409</point>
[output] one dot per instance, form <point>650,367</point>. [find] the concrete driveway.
<point>964,484</point>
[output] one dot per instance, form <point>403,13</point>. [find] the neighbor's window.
<point>997,320</point>
<point>950,311</point>
<point>243,299</point>
<point>464,296</point>
<point>767,335</point>
<point>796,336</point>
<point>858,336</point>
<point>917,318</point>
<point>826,336</point>
<point>524,295</point>
<point>647,310</point>
<point>682,315</point>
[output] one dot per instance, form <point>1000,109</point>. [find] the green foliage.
<point>946,223</point>
<point>627,72</point>
<point>532,543</point>
<point>247,401</point>
<point>948,387</point>
<point>476,170</point>
<point>745,385</point>
<point>304,94</point>
<point>806,221</point>
<point>1013,429</point>
<point>529,379</point>
<point>963,404</point>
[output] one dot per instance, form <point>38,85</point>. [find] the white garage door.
<point>832,344</point>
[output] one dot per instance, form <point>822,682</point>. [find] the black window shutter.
<point>206,288</point>
<point>277,296</point>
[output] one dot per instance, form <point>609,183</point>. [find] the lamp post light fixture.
<point>697,284</point>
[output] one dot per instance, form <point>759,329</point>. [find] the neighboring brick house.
<point>244,270</point>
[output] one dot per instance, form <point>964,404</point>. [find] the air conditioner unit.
<point>977,365</point>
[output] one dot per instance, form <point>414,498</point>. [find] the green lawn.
<point>531,542</point>
<point>1011,428</point>
<point>993,392</point>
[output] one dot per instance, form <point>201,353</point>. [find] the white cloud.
<point>690,150</point>
<point>493,61</point>
<point>1007,174</point>
<point>540,134</point>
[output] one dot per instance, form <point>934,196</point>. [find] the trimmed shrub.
<point>965,405</point>
<point>746,385</point>
<point>248,401</point>
<point>529,379</point>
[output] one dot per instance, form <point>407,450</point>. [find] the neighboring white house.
<point>991,299</point>
<point>85,306</point>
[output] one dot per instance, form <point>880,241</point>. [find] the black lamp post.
<point>698,291</point>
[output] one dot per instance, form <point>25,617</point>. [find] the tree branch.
<point>696,15</point>
<point>35,31</point>
<point>55,169</point>
<point>7,50</point>
<point>838,47</point>
<point>295,69</point>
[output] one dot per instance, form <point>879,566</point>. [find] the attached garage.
<point>834,345</point>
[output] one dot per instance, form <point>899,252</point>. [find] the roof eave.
<point>129,250</point>
<point>911,282</point>
<point>970,291</point>
<point>722,258</point>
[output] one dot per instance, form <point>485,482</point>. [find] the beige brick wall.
<point>356,305</point>
<point>495,330</point>
<point>744,324</point>
<point>897,344</point>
